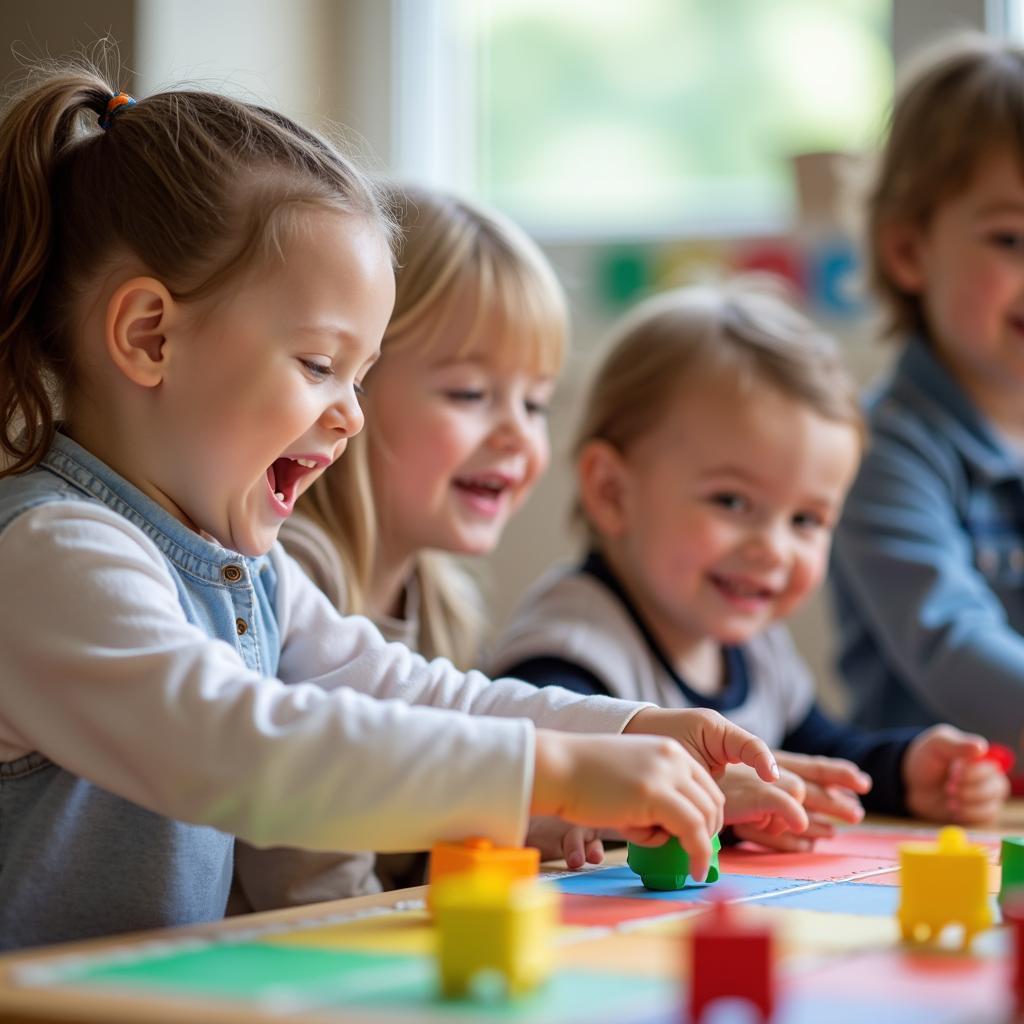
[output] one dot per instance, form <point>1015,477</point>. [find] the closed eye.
<point>465,395</point>
<point>319,371</point>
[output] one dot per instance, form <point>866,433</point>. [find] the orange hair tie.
<point>114,104</point>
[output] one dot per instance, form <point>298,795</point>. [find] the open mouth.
<point>484,486</point>
<point>485,494</point>
<point>742,590</point>
<point>284,476</point>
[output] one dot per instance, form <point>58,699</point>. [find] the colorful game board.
<point>621,955</point>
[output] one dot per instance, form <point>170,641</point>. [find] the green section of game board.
<point>568,996</point>
<point>252,971</point>
<point>303,978</point>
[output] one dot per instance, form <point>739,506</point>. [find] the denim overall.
<point>75,860</point>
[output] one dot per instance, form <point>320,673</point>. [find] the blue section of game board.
<point>621,882</point>
<point>850,898</point>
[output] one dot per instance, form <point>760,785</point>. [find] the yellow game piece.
<point>943,883</point>
<point>472,854</point>
<point>488,924</point>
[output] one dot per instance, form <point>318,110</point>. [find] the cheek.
<point>684,543</point>
<point>977,296</point>
<point>420,444</point>
<point>540,455</point>
<point>808,573</point>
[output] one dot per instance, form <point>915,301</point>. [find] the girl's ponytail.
<point>39,125</point>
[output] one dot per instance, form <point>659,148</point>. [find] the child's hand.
<point>712,739</point>
<point>831,785</point>
<point>763,812</point>
<point>946,782</point>
<point>558,839</point>
<point>646,787</point>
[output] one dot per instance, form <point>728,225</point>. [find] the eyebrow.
<point>484,362</point>
<point>1001,206</point>
<point>729,470</point>
<point>335,330</point>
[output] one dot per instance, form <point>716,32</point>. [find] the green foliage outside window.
<point>645,114</point>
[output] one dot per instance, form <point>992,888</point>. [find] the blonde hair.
<point>958,102</point>
<point>452,256</point>
<point>744,331</point>
<point>197,186</point>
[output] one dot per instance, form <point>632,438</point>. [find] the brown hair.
<point>745,331</point>
<point>957,102</point>
<point>197,186</point>
<point>452,255</point>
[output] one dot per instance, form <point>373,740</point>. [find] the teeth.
<point>308,463</point>
<point>279,496</point>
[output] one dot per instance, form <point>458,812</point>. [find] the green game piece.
<point>1011,856</point>
<point>666,867</point>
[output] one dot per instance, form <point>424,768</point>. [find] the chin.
<point>472,545</point>
<point>736,636</point>
<point>254,547</point>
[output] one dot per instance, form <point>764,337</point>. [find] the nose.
<point>512,428</point>
<point>344,415</point>
<point>767,546</point>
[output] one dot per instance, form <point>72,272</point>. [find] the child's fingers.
<point>786,842</point>
<point>837,803</point>
<point>645,835</point>
<point>743,748</point>
<point>965,773</point>
<point>717,743</point>
<point>792,784</point>
<point>680,818</point>
<point>788,813</point>
<point>818,828</point>
<point>595,851</point>
<point>709,737</point>
<point>990,787</point>
<point>827,771</point>
<point>701,790</point>
<point>979,813</point>
<point>574,848</point>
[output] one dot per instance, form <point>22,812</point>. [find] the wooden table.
<point>22,1005</point>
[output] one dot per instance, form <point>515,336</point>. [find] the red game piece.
<point>999,755</point>
<point>732,959</point>
<point>1013,914</point>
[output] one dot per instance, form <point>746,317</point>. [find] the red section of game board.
<point>939,977</point>
<point>607,911</point>
<point>814,866</point>
<point>885,845</point>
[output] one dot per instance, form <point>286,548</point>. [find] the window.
<point>654,116</point>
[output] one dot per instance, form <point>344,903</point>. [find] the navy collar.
<point>737,680</point>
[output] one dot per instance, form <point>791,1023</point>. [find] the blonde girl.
<point>458,401</point>
<point>200,286</point>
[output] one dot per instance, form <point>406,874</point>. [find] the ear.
<point>603,479</point>
<point>139,315</point>
<point>899,249</point>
